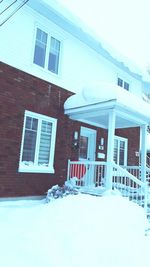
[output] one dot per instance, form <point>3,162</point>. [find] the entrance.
<point>87,147</point>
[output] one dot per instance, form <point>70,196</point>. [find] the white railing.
<point>92,174</point>
<point>87,173</point>
<point>148,161</point>
<point>134,170</point>
<point>148,176</point>
<point>129,185</point>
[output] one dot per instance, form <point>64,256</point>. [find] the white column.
<point>110,148</point>
<point>143,132</point>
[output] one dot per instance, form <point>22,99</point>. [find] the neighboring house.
<point>50,61</point>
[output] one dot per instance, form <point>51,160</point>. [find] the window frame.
<point>125,140</point>
<point>50,34</point>
<point>124,83</point>
<point>35,168</point>
<point>120,82</point>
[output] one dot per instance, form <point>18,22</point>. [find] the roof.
<point>94,103</point>
<point>67,21</point>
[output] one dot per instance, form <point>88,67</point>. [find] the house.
<point>64,96</point>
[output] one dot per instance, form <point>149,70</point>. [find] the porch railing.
<point>136,171</point>
<point>129,185</point>
<point>92,174</point>
<point>87,173</point>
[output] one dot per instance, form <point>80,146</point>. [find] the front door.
<point>87,147</point>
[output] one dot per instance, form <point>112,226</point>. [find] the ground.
<point>77,230</point>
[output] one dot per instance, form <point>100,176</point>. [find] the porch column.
<point>110,148</point>
<point>143,133</point>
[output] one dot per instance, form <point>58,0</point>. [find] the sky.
<point>124,24</point>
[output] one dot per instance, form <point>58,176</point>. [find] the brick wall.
<point>20,91</point>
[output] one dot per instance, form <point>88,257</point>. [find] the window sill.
<point>36,169</point>
<point>44,70</point>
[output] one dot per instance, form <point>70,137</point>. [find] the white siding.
<point>80,65</point>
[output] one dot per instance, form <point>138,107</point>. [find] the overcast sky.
<point>124,24</point>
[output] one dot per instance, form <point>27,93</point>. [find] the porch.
<point>91,177</point>
<point>111,107</point>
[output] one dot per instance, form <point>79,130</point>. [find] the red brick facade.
<point>20,91</point>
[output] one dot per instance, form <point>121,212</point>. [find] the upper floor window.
<point>120,82</point>
<point>47,51</point>
<point>38,143</point>
<point>123,84</point>
<point>126,86</point>
<point>53,61</point>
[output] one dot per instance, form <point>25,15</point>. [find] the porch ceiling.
<point>131,111</point>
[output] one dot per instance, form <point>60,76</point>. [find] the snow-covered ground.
<point>76,231</point>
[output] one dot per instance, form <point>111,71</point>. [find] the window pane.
<point>40,48</point>
<point>120,82</point>
<point>122,153</point>
<point>115,151</point>
<point>54,55</point>
<point>45,143</point>
<point>34,124</point>
<point>30,140</point>
<point>29,146</point>
<point>83,152</point>
<point>28,122</point>
<point>126,86</point>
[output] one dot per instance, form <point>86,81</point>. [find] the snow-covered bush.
<point>60,191</point>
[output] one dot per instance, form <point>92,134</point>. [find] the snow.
<point>77,230</point>
<point>76,20</point>
<point>100,92</point>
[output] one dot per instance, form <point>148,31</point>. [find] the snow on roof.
<point>98,93</point>
<point>64,18</point>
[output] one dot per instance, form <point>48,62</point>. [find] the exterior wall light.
<point>75,143</point>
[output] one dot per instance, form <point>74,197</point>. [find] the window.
<point>83,152</point>
<point>122,83</point>
<point>120,150</point>
<point>38,143</point>
<point>54,55</point>
<point>126,86</point>
<point>40,48</point>
<point>47,51</point>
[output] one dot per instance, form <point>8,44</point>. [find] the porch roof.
<point>94,103</point>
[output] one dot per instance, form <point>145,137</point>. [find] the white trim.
<point>120,138</point>
<point>91,149</point>
<point>5,200</point>
<point>84,131</point>
<point>34,168</point>
<point>50,33</point>
<point>110,148</point>
<point>124,79</point>
<point>143,133</point>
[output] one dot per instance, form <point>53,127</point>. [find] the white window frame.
<point>123,82</point>
<point>125,151</point>
<point>34,168</point>
<point>49,35</point>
